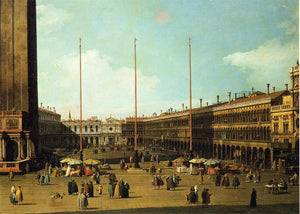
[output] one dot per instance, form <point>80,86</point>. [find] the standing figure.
<point>253,198</point>
<point>42,179</point>
<point>84,201</point>
<point>90,189</point>
<point>117,190</point>
<point>110,190</point>
<point>79,199</point>
<point>207,200</point>
<point>97,177</point>
<point>235,182</point>
<point>191,197</point>
<point>200,177</point>
<point>203,195</point>
<point>225,181</point>
<point>85,188</point>
<point>19,195</point>
<point>46,178</point>
<point>74,187</point>
<point>257,176</point>
<point>11,175</point>
<point>50,170</point>
<point>155,182</point>
<point>126,190</point>
<point>100,188</point>
<point>218,179</point>
<point>13,195</point>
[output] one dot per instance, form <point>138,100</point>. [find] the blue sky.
<point>236,45</point>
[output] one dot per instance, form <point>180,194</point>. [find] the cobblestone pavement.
<point>144,199</point>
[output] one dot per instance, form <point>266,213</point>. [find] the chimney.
<point>268,89</point>
<point>252,90</point>
<point>244,94</point>
<point>286,87</point>
<point>206,103</point>
<point>182,106</point>
<point>186,108</point>
<point>218,99</point>
<point>229,98</point>
<point>47,107</point>
<point>200,103</point>
<point>235,96</point>
<point>41,105</point>
<point>273,89</point>
<point>171,110</point>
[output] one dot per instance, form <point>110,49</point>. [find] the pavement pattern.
<point>143,197</point>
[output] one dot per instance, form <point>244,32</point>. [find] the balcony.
<point>280,107</point>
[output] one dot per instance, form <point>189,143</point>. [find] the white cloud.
<point>51,19</point>
<point>162,17</point>
<point>269,62</point>
<point>103,87</point>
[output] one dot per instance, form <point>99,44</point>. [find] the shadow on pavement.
<point>197,208</point>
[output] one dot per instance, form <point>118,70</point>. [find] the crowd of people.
<point>120,189</point>
<point>117,189</point>
<point>16,196</point>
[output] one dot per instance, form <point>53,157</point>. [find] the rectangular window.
<point>285,127</point>
<point>275,127</point>
<point>286,140</point>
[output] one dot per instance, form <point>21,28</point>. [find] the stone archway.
<point>11,150</point>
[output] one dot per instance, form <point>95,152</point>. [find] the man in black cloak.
<point>253,198</point>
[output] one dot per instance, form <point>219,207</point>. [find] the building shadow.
<point>197,208</point>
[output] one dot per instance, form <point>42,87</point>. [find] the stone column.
<point>28,147</point>
<point>4,149</point>
<point>271,158</point>
<point>1,148</point>
<point>19,149</point>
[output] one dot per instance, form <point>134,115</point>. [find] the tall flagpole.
<point>135,99</point>
<point>81,153</point>
<point>191,137</point>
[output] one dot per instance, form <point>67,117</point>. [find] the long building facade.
<point>249,129</point>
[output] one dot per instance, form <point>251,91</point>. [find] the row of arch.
<point>246,133</point>
<point>242,154</point>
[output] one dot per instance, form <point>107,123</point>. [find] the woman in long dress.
<point>19,195</point>
<point>117,191</point>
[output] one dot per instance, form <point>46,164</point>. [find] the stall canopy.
<point>211,162</point>
<point>180,159</point>
<point>91,162</point>
<point>74,162</point>
<point>66,160</point>
<point>198,160</point>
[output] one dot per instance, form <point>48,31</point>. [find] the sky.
<point>235,45</point>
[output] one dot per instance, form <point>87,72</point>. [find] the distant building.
<point>94,132</point>
<point>50,128</point>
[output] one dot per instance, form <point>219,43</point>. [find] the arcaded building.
<point>252,129</point>
<point>18,83</point>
